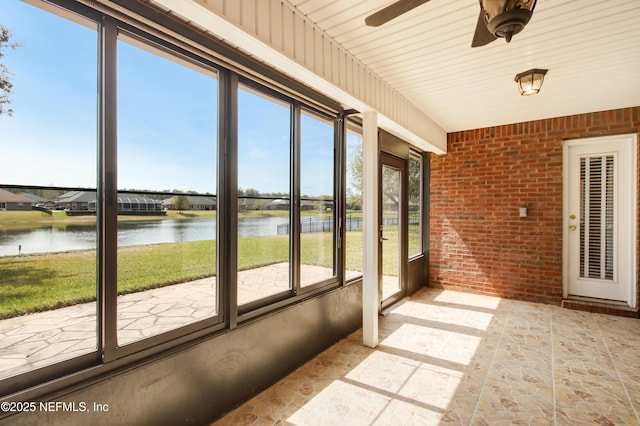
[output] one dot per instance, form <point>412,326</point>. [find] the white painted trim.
<point>370,295</point>
<point>632,139</point>
<point>565,219</point>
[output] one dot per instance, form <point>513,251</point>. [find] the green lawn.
<point>32,283</point>
<point>39,282</point>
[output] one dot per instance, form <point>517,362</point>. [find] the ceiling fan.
<point>498,18</point>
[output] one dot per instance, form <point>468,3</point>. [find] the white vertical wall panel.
<point>309,46</point>
<point>248,10</point>
<point>371,233</point>
<point>277,28</point>
<point>265,21</point>
<point>306,32</point>
<point>297,33</point>
<point>232,10</point>
<point>288,40</point>
<point>318,52</point>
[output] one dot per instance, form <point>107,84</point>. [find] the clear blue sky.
<point>166,118</point>
<point>51,137</point>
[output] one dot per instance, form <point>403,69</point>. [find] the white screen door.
<point>599,218</point>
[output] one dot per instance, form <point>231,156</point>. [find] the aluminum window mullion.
<point>426,206</point>
<point>294,213</point>
<point>340,195</point>
<point>107,188</point>
<point>227,206</point>
<point>338,124</point>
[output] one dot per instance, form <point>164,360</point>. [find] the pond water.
<point>77,237</point>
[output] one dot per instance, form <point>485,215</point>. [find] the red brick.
<point>478,241</point>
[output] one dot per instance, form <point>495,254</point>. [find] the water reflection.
<point>260,226</point>
<point>77,237</point>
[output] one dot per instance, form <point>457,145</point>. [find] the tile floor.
<point>451,358</point>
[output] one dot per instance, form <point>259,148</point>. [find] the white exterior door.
<point>599,218</point>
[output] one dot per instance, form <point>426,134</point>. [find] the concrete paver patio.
<point>40,339</point>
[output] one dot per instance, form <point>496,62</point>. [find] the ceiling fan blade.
<point>482,35</point>
<point>392,11</point>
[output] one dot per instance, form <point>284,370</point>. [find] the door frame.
<point>402,165</point>
<point>632,140</point>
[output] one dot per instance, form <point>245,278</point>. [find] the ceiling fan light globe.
<point>508,23</point>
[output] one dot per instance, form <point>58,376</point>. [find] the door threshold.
<point>384,312</point>
<point>597,300</point>
<point>601,306</point>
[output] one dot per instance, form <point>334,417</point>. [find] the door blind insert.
<point>597,217</point>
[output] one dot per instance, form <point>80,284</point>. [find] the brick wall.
<point>478,241</point>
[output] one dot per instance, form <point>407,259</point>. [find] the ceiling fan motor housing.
<point>508,23</point>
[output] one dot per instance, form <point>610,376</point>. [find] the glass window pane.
<point>354,243</point>
<point>391,230</point>
<point>317,209</point>
<point>264,151</point>
<point>47,246</point>
<point>167,148</point>
<point>415,205</point>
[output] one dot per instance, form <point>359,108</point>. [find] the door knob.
<point>572,228</point>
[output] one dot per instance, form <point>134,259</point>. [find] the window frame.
<point>259,306</point>
<point>337,123</point>
<point>233,68</point>
<point>296,291</point>
<point>354,125</point>
<point>416,156</point>
<point>17,382</point>
<point>112,351</point>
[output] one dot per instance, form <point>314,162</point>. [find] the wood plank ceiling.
<point>591,48</point>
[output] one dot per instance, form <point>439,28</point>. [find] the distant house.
<point>307,205</point>
<point>279,204</point>
<point>283,204</point>
<point>77,200</point>
<point>248,203</point>
<point>86,201</point>
<point>196,202</point>
<point>11,201</point>
<point>138,203</point>
<point>37,200</point>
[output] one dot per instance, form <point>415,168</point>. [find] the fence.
<point>325,224</point>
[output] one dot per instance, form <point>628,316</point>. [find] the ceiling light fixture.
<point>530,82</point>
